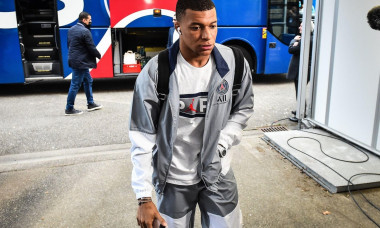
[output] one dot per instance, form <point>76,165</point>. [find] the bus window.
<point>283,19</point>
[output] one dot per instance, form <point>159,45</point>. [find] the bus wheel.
<point>247,56</point>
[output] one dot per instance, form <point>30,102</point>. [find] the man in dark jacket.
<point>82,56</point>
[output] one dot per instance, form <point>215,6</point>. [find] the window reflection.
<point>284,19</point>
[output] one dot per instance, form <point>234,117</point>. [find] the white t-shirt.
<point>193,85</point>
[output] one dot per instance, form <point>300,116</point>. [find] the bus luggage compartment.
<point>144,42</point>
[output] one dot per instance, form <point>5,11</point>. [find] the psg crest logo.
<point>222,88</point>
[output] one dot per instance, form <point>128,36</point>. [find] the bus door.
<point>283,23</point>
<point>39,38</point>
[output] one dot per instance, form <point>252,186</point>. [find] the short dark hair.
<point>83,15</point>
<point>373,17</point>
<point>196,5</point>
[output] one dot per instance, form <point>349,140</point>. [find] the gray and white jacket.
<point>153,127</point>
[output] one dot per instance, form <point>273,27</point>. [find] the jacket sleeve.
<point>142,130</point>
<point>141,156</point>
<point>89,42</point>
<point>294,49</point>
<point>242,110</point>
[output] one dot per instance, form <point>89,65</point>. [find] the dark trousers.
<point>79,76</point>
<point>296,83</point>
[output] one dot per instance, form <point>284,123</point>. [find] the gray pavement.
<point>32,116</point>
<point>90,187</point>
<point>33,120</point>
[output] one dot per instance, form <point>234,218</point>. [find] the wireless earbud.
<point>179,31</point>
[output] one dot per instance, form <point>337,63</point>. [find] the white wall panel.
<point>324,58</point>
<point>378,140</point>
<point>348,72</point>
<point>355,72</point>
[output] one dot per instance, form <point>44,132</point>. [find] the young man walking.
<point>82,56</point>
<point>181,142</point>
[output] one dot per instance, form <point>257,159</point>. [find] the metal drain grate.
<point>274,129</point>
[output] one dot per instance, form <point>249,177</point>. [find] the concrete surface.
<point>94,190</point>
<point>33,120</point>
<point>328,160</point>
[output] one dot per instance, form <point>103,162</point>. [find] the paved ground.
<point>33,120</point>
<point>90,187</point>
<point>32,116</point>
<point>58,171</point>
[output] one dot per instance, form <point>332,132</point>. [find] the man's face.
<point>199,30</point>
<point>88,20</point>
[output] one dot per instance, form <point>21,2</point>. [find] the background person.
<point>175,146</point>
<point>294,64</point>
<point>82,56</point>
<point>292,20</point>
<point>373,17</point>
<point>173,34</point>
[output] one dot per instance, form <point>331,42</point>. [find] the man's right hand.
<point>147,213</point>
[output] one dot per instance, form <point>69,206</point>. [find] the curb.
<point>74,156</point>
<point>64,157</point>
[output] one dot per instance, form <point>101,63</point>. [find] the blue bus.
<point>33,34</point>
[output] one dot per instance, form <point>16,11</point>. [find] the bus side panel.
<point>99,10</point>
<point>152,22</point>
<point>123,14</point>
<point>277,56</point>
<point>251,36</point>
<point>241,13</point>
<point>64,52</point>
<point>68,12</point>
<point>11,69</point>
<point>102,40</point>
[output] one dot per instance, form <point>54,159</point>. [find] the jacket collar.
<point>83,24</point>
<point>221,65</point>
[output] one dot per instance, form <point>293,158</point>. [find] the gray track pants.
<point>218,209</point>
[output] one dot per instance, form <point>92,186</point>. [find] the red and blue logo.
<point>222,88</point>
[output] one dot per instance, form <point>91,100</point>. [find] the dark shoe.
<point>293,119</point>
<point>294,112</point>
<point>93,107</point>
<point>73,112</point>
